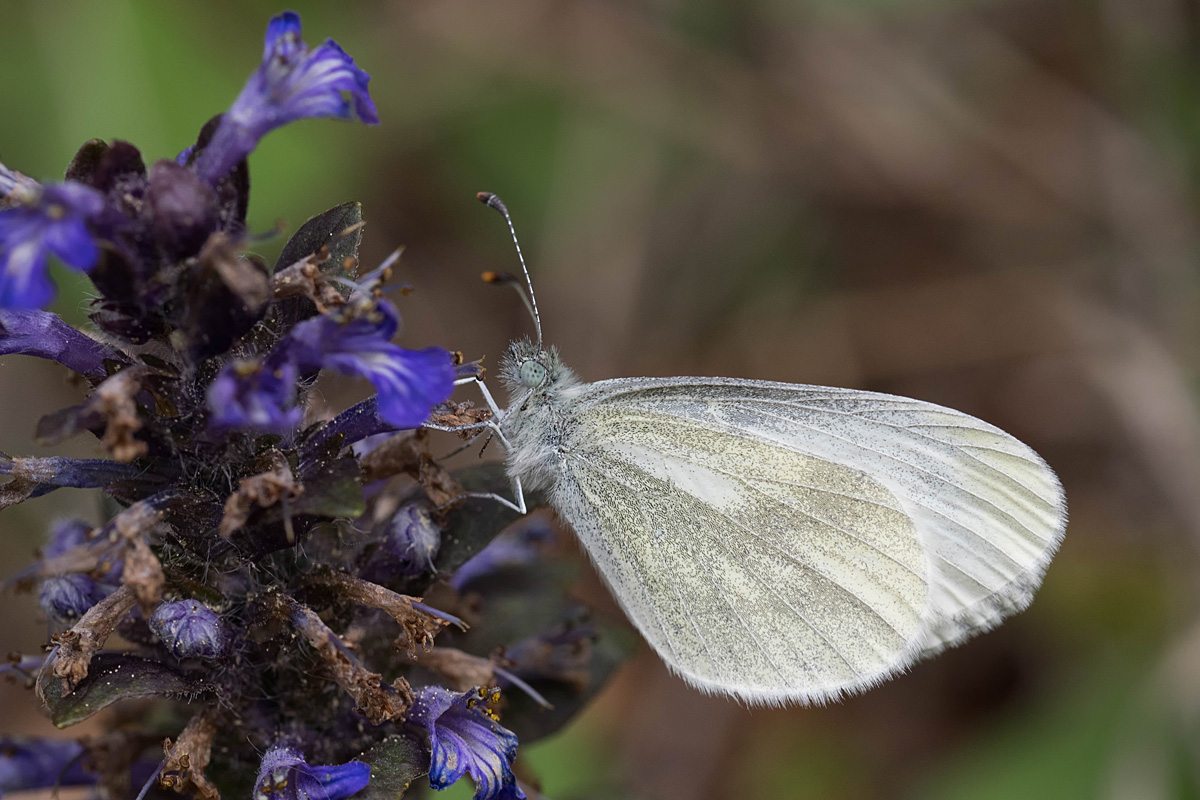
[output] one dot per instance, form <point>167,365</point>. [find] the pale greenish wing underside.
<point>750,568</point>
<point>793,542</point>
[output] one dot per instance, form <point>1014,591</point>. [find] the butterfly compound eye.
<point>533,374</point>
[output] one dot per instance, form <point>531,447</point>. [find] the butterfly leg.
<point>518,506</point>
<point>518,493</point>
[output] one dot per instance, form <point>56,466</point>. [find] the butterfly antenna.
<point>493,201</point>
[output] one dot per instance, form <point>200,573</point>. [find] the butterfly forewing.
<point>751,568</point>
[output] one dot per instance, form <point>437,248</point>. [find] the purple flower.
<point>413,538</point>
<point>189,629</point>
<point>466,739</point>
<point>291,83</point>
<point>66,534</point>
<point>44,335</point>
<point>55,223</point>
<point>40,764</point>
<point>285,775</point>
<point>409,382</point>
<point>66,598</point>
<point>256,395</point>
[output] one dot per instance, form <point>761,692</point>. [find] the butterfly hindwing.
<point>752,569</point>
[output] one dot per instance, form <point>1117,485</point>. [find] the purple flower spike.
<point>291,83</point>
<point>40,764</point>
<point>189,629</point>
<point>409,382</point>
<point>44,335</point>
<point>464,739</point>
<point>254,395</point>
<point>66,598</point>
<point>285,775</point>
<point>56,222</point>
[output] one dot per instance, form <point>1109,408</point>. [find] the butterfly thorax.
<point>537,423</point>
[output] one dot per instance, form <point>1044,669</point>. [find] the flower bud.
<point>66,598</point>
<point>184,209</point>
<point>189,629</point>
<point>414,539</point>
<point>65,534</point>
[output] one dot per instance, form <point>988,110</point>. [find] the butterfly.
<point>780,542</point>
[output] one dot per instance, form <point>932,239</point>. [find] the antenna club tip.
<point>492,201</point>
<point>490,276</point>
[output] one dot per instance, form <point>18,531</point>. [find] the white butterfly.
<point>779,542</point>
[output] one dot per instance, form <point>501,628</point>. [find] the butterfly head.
<point>528,368</point>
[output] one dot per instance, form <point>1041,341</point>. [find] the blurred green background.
<point>989,205</point>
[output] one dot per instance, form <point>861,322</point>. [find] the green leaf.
<point>531,722</point>
<point>326,229</point>
<point>472,524</point>
<point>331,489</point>
<point>521,601</point>
<point>113,677</point>
<point>395,762</point>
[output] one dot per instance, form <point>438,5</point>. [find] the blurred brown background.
<point>989,205</point>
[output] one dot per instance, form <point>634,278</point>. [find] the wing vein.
<point>721,591</point>
<point>717,666</point>
<point>965,574</point>
<point>923,436</point>
<point>837,651</point>
<point>809,514</point>
<point>687,612</point>
<point>966,449</point>
<point>984,500</point>
<point>720,427</point>
<point>723,427</point>
<point>773,546</point>
<point>804,619</point>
